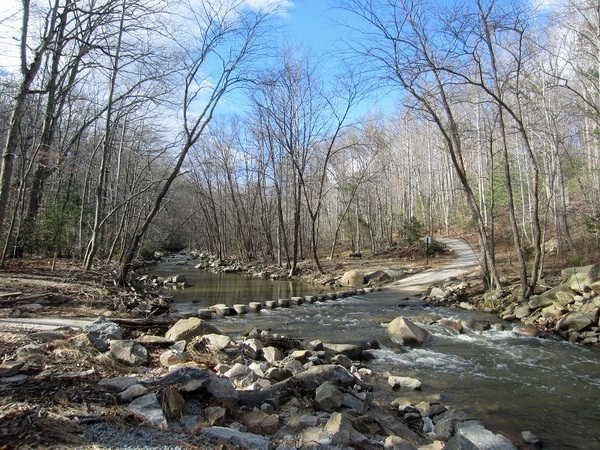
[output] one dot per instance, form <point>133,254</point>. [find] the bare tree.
<point>229,36</point>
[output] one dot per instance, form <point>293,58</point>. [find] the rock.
<point>296,300</point>
<point>342,360</point>
<point>187,379</point>
<point>222,390</point>
<point>315,376</point>
<point>452,324</point>
<point>392,426</point>
<point>577,282</point>
<point>259,422</point>
<point>205,314</point>
<point>477,324</point>
<point>272,354</point>
<point>574,321</point>
<point>352,351</point>
<point>294,366</point>
<point>406,383</point>
<point>129,352</point>
<point>405,332</point>
<point>359,401</point>
<point>342,432</point>
<point>378,277</point>
<point>158,341</point>
<point>148,408</point>
<point>252,348</point>
<point>277,374</point>
<point>531,439</point>
<point>353,278</point>
<point>561,294</point>
<point>10,368</point>
<point>35,349</point>
<point>522,311</point>
<point>328,397</point>
<point>171,358</point>
<point>101,331</point>
<point>117,384</point>
<point>244,440</point>
<point>300,355</point>
<point>240,309</point>
<point>215,415</point>
<point>172,403</point>
<point>254,306</point>
<point>19,378</point>
<point>397,443</point>
<point>283,302</point>
<point>238,371</point>
<point>472,435</point>
<point>436,292</point>
<point>593,275</point>
<point>216,341</point>
<point>188,329</point>
<point>133,392</point>
<point>552,311</point>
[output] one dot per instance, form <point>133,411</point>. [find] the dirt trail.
<point>466,261</point>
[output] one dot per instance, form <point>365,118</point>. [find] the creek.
<point>508,380</point>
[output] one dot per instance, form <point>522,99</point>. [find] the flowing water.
<point>508,380</point>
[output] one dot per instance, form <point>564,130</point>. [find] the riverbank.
<point>63,374</point>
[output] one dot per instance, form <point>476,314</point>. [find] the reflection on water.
<point>510,381</point>
<point>207,288</point>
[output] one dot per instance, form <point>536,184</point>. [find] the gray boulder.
<point>148,407</point>
<point>222,389</point>
<point>405,383</point>
<point>315,376</point>
<point>471,435</point>
<point>342,432</point>
<point>574,320</point>
<point>405,332</point>
<point>188,329</point>
<point>101,331</point>
<point>129,352</point>
<point>328,397</point>
<point>188,379</point>
<point>352,351</point>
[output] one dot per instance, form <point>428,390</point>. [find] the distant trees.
<point>110,147</point>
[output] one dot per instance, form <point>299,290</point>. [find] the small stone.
<point>19,378</point>
<point>272,354</point>
<point>171,358</point>
<point>262,423</point>
<point>10,368</point>
<point>329,397</point>
<point>215,415</point>
<point>531,439</point>
<point>129,352</point>
<point>407,383</point>
<point>117,384</point>
<point>148,407</point>
<point>397,443</point>
<point>133,392</point>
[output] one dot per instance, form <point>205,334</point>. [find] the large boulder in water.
<point>402,331</point>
